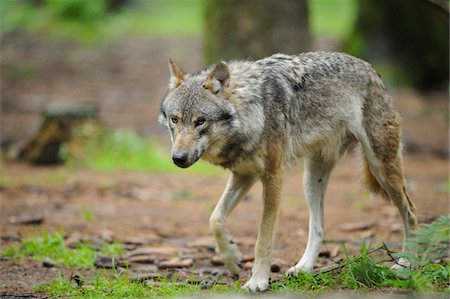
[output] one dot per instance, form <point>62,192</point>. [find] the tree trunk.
<point>242,29</point>
<point>411,36</point>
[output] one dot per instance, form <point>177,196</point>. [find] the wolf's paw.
<point>257,284</point>
<point>401,264</point>
<point>295,270</point>
<point>231,258</point>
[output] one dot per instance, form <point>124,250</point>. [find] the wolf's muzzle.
<point>180,159</point>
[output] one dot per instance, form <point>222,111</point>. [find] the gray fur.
<point>312,98</point>
<point>255,117</point>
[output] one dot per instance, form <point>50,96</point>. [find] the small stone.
<point>107,262</point>
<point>203,242</point>
<point>96,242</point>
<point>87,287</point>
<point>247,258</point>
<point>335,251</point>
<point>217,261</point>
<point>77,279</point>
<point>142,259</point>
<point>48,263</point>
<point>157,251</point>
<point>27,219</point>
<point>324,252</point>
<point>73,240</point>
<point>9,238</point>
<point>141,240</point>
<point>107,235</point>
<point>175,263</point>
<point>247,266</point>
<point>275,268</point>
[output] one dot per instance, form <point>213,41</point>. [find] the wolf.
<point>256,117</point>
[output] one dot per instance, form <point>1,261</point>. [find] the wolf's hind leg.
<point>383,171</point>
<point>316,174</point>
<point>235,190</point>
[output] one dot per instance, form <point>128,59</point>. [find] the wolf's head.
<point>198,112</point>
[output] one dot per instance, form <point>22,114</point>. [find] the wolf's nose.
<point>180,158</point>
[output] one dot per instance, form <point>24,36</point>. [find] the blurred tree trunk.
<point>237,29</point>
<point>412,36</point>
<point>59,119</point>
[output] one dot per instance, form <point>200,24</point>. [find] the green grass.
<point>104,285</point>
<point>364,272</point>
<point>52,246</point>
<point>114,285</point>
<point>69,19</point>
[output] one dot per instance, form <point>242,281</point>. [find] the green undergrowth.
<point>97,148</point>
<point>51,246</point>
<point>69,19</point>
<point>115,285</point>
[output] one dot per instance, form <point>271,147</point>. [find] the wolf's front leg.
<point>237,187</point>
<point>259,281</point>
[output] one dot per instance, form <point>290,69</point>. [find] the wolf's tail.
<point>370,180</point>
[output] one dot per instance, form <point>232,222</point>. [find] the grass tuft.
<point>364,272</point>
<point>52,246</point>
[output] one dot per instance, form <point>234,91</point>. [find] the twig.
<point>393,259</point>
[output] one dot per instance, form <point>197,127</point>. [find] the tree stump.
<point>58,121</point>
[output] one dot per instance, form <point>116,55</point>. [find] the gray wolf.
<point>256,117</point>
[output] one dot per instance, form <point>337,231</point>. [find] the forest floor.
<point>166,216</point>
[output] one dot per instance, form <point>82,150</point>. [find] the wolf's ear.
<point>218,78</point>
<point>176,75</point>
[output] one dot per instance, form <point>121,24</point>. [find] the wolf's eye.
<point>199,122</point>
<point>174,120</point>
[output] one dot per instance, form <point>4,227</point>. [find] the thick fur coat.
<point>255,117</point>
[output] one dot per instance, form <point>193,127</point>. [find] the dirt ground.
<point>164,217</point>
<point>168,215</point>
